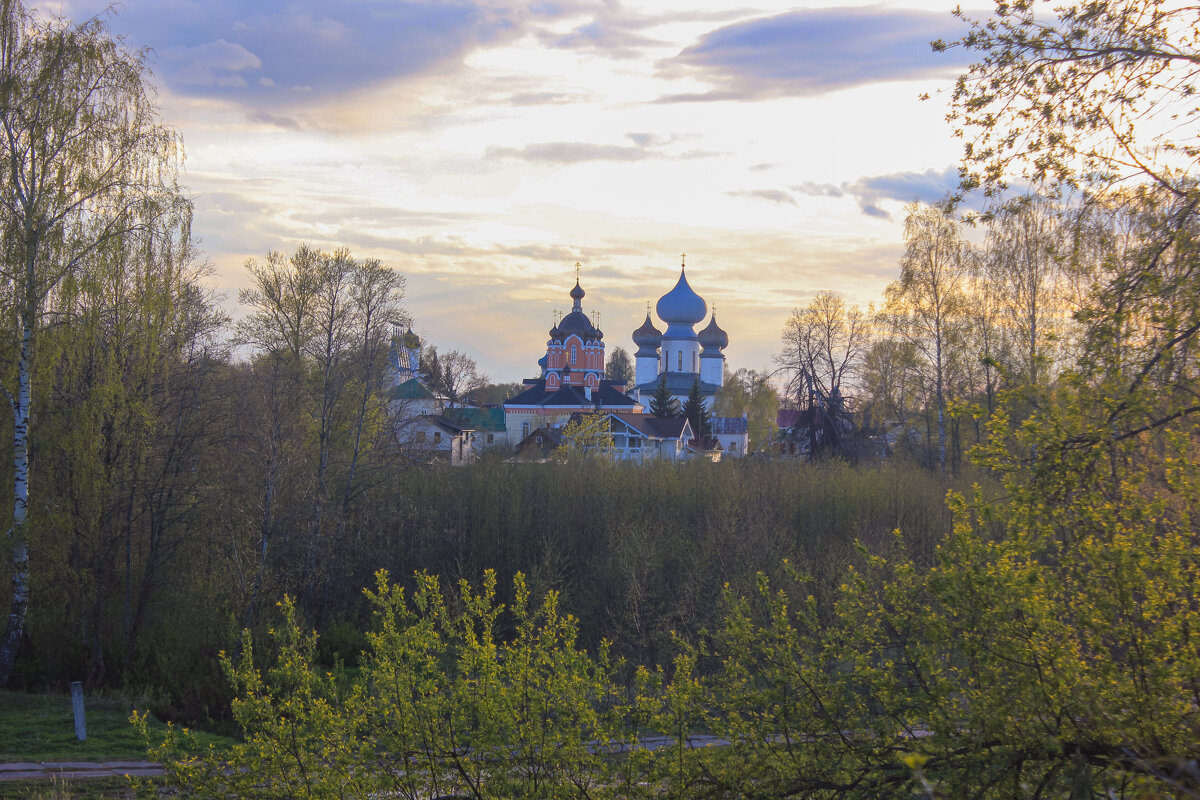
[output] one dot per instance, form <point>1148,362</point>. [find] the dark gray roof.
<point>604,395</point>
<point>679,383</point>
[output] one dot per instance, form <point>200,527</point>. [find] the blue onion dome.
<point>577,293</point>
<point>544,361</point>
<point>681,305</point>
<point>712,337</point>
<point>647,335</point>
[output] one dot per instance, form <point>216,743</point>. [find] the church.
<point>571,378</point>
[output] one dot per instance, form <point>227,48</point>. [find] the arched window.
<point>681,361</point>
<point>693,362</point>
<point>524,430</point>
<point>574,352</point>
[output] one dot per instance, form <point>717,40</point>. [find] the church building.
<point>679,356</point>
<point>572,372</point>
<point>572,377</point>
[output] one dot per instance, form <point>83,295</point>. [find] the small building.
<point>539,445</point>
<point>432,437</point>
<point>487,423</point>
<point>733,434</point>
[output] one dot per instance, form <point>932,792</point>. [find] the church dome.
<point>681,305</point>
<point>647,335</point>
<point>577,293</point>
<point>712,337</point>
<point>577,323</point>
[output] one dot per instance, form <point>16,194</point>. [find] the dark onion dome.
<point>647,335</point>
<point>712,337</point>
<point>410,339</point>
<point>577,323</point>
<point>577,293</point>
<point>681,306</point>
<point>544,361</point>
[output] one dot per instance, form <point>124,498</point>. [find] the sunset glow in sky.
<point>482,147</point>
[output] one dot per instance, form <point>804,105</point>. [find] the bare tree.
<point>822,345</point>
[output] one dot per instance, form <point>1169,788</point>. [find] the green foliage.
<point>662,404</point>
<point>619,367</point>
<point>586,434</point>
<point>444,706</point>
<point>696,412</point>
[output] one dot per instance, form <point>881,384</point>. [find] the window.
<point>420,437</point>
<point>574,352</point>
<point>489,439</point>
<point>524,429</point>
<point>634,441</point>
<point>693,362</point>
<point>437,437</point>
<point>681,361</point>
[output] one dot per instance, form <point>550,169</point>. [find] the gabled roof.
<point>654,427</point>
<point>411,389</point>
<point>451,426</point>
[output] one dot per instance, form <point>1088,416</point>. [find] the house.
<point>539,445</point>
<point>733,434</point>
<point>641,437</point>
<point>432,437</point>
<point>487,423</point>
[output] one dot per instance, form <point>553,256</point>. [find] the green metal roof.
<point>411,389</point>
<point>479,419</point>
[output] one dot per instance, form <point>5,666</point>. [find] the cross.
<point>682,260</point>
<point>577,272</point>
<point>647,308</point>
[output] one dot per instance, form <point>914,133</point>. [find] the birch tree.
<point>925,306</point>
<point>85,160</point>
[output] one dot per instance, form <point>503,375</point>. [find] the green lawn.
<point>40,727</point>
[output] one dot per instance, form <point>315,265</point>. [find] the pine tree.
<point>662,404</point>
<point>697,413</point>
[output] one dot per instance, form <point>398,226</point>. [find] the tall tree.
<point>620,367</point>
<point>662,404</point>
<point>925,306</point>
<point>822,345</point>
<point>695,410</point>
<point>85,161</point>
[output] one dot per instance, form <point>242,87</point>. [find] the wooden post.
<point>77,707</point>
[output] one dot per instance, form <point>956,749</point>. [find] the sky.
<point>484,147</point>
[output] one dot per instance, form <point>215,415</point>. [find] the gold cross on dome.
<point>577,272</point>
<point>682,260</point>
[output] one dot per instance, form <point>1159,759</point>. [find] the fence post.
<point>77,707</point>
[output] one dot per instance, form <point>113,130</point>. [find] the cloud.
<point>284,53</point>
<point>929,186</point>
<point>812,52</point>
<point>770,195</point>
<point>569,152</point>
<point>216,63</point>
<point>644,146</point>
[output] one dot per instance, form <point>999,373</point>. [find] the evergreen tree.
<point>697,413</point>
<point>662,404</point>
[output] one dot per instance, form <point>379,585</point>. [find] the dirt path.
<point>70,770</point>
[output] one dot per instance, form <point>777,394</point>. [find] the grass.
<point>56,789</point>
<point>41,727</point>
